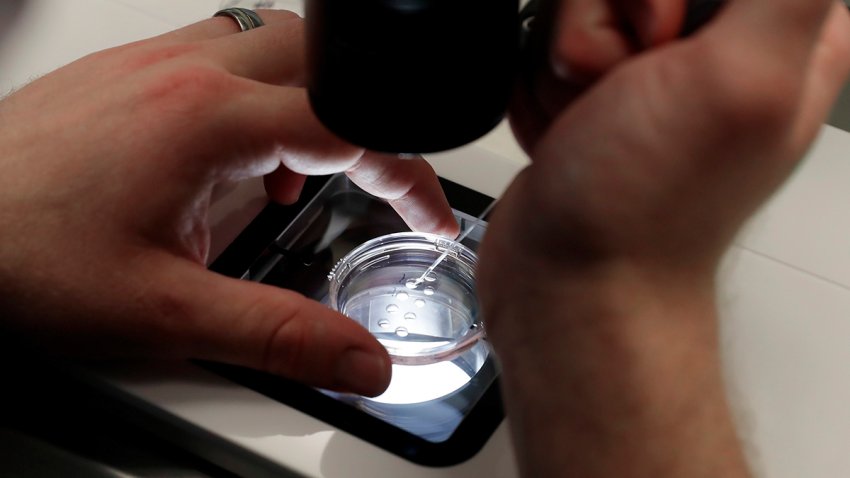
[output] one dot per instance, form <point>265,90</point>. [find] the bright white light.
<point>420,383</point>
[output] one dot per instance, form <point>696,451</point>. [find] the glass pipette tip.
<point>461,236</point>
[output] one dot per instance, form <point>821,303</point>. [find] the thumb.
<point>267,328</point>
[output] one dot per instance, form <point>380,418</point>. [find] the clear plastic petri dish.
<point>420,318</point>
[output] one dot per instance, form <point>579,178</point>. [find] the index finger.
<point>217,27</point>
<point>273,53</point>
<point>412,189</point>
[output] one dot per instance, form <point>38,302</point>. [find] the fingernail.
<point>363,372</point>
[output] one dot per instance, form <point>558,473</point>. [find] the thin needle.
<point>459,238</point>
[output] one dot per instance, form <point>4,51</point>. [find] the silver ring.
<point>247,19</point>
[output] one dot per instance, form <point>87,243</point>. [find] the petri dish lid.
<point>415,292</point>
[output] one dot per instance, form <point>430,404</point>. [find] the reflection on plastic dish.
<point>421,383</point>
<point>420,318</point>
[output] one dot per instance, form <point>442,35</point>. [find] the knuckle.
<point>145,55</point>
<point>307,146</point>
<point>135,57</point>
<point>168,314</point>
<point>389,177</point>
<point>288,342</point>
<point>286,15</point>
<point>373,171</point>
<point>189,87</point>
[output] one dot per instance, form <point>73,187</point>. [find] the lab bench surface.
<point>785,289</point>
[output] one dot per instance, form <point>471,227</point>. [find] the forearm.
<point>625,382</point>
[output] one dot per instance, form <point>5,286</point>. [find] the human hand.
<point>596,275</point>
<point>661,160</point>
<point>108,166</point>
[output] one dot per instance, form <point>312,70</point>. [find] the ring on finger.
<point>245,18</point>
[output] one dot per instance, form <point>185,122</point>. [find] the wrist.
<point>629,302</point>
<point>620,360</point>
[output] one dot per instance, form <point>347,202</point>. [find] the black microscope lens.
<point>411,76</point>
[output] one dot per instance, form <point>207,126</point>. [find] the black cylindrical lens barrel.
<point>411,76</point>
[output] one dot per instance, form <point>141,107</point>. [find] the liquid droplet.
<point>420,303</point>
<point>402,296</point>
<point>402,332</point>
<point>410,316</point>
<point>430,278</point>
<point>392,308</point>
<point>411,284</point>
<point>383,323</point>
<point>429,291</point>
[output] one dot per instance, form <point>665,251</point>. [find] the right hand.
<point>659,161</point>
<point>596,274</point>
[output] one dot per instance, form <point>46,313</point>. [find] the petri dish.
<point>421,316</point>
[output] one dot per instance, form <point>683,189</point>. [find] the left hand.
<point>108,166</point>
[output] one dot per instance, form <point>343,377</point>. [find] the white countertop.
<point>785,296</point>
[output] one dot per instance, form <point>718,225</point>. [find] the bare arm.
<point>597,273</point>
<point>626,381</point>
